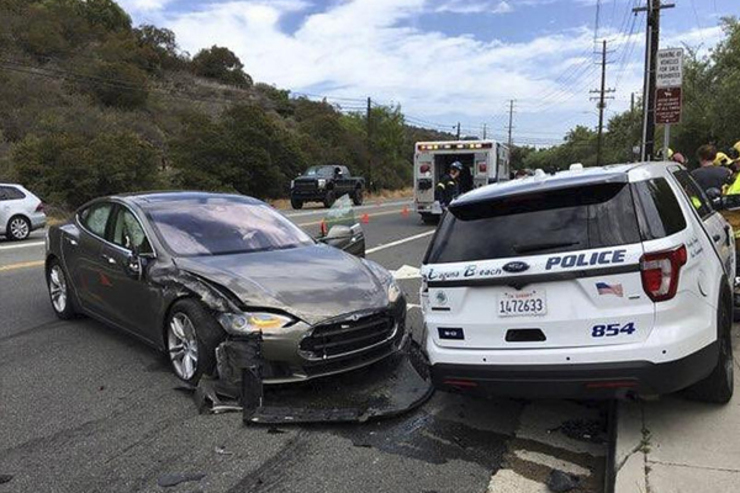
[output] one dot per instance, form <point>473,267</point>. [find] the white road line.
<point>361,207</point>
<point>22,245</point>
<point>399,242</point>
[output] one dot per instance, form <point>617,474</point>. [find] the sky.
<point>444,61</point>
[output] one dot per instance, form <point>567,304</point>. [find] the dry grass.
<point>380,196</point>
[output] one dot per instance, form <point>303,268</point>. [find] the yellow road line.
<point>358,219</point>
<point>22,265</point>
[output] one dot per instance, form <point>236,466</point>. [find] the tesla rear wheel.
<point>18,228</point>
<point>59,294</point>
<point>191,340</point>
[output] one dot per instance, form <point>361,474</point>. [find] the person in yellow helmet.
<point>722,159</point>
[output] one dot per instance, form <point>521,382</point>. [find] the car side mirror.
<point>351,239</point>
<point>729,203</point>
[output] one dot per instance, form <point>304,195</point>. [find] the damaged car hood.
<point>313,283</point>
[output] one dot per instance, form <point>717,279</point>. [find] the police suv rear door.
<point>552,269</point>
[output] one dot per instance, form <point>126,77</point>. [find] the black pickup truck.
<point>326,184</point>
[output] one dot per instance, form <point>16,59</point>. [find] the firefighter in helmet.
<point>448,187</point>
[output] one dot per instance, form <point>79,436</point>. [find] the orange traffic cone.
<point>324,229</point>
<point>365,218</point>
<point>405,211</point>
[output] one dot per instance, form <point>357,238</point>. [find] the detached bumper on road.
<point>591,381</point>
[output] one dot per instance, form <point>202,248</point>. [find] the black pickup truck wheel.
<point>329,199</point>
<point>358,196</point>
<point>296,203</point>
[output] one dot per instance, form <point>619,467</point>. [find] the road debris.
<point>560,481</point>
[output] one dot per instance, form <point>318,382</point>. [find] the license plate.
<point>522,303</point>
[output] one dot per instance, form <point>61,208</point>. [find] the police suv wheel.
<point>718,387</point>
<point>296,204</point>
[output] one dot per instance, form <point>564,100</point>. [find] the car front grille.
<point>304,186</point>
<point>346,337</point>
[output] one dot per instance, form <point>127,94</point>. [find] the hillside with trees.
<point>92,105</point>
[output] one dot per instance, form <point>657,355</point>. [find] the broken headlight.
<point>247,323</point>
<point>393,292</point>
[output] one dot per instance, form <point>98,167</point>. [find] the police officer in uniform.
<point>449,185</point>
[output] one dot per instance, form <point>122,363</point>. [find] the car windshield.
<point>560,221</point>
<point>320,171</point>
<point>219,225</point>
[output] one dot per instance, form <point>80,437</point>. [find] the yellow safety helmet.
<point>722,159</point>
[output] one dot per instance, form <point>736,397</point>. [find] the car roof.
<point>144,199</point>
<point>618,173</point>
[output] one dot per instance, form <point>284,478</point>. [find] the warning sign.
<point>668,105</point>
<point>669,68</point>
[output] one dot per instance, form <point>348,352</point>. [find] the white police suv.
<point>597,282</point>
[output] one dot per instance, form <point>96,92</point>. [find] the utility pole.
<point>458,130</point>
<point>602,104</point>
<point>511,121</point>
<point>652,38</point>
<point>369,145</point>
<point>632,103</point>
<point>484,131</point>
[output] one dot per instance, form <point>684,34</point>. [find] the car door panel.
<point>128,297</point>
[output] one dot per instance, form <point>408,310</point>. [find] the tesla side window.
<point>95,218</point>
<point>128,232</point>
<point>223,225</point>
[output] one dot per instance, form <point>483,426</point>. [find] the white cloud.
<point>138,6</point>
<point>359,48</point>
<point>475,7</point>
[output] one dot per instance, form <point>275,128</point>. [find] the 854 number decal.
<point>611,330</point>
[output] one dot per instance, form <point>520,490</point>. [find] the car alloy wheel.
<point>58,289</point>
<point>182,346</point>
<point>19,228</point>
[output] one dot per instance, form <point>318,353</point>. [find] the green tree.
<point>70,169</point>
<point>221,64</point>
<point>118,84</point>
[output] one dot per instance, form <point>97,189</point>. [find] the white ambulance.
<point>484,162</point>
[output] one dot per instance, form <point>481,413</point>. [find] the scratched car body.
<point>187,272</point>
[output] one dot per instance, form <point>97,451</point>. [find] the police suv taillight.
<point>660,271</point>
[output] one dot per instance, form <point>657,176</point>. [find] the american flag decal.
<point>604,288</point>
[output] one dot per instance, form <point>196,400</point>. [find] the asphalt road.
<point>84,408</point>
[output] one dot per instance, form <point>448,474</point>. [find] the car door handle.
<point>109,259</point>
<point>716,237</point>
<point>71,241</point>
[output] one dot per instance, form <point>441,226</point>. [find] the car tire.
<point>329,199</point>
<point>191,337</point>
<point>358,196</point>
<point>18,228</point>
<point>718,387</point>
<point>60,294</point>
<point>296,204</point>
<point>429,219</point>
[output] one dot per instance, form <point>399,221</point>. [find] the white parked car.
<point>20,212</point>
<point>597,282</point>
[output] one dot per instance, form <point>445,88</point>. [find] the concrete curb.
<point>631,448</point>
